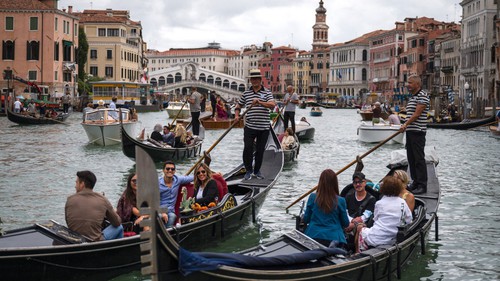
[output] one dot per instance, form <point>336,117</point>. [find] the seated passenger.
<point>189,138</point>
<point>86,210</point>
<point>156,134</point>
<point>288,139</point>
<point>221,109</point>
<point>405,194</point>
<point>127,205</point>
<point>390,212</point>
<point>326,212</point>
<point>205,186</point>
<point>168,137</point>
<point>360,203</point>
<point>180,136</point>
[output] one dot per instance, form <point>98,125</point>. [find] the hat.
<point>358,175</point>
<point>255,73</point>
<point>377,103</point>
<point>100,102</point>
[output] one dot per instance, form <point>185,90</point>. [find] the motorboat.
<point>177,109</point>
<point>369,132</point>
<point>102,126</point>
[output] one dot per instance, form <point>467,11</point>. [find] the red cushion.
<point>221,185</point>
<point>280,137</point>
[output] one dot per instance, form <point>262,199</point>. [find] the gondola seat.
<point>221,185</point>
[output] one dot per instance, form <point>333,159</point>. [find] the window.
<point>33,23</point>
<point>56,51</point>
<point>67,51</point>
<point>113,32</point>
<point>32,75</point>
<point>109,71</point>
<point>56,75</point>
<point>9,23</point>
<point>32,50</point>
<point>93,54</point>
<point>101,32</point>
<point>8,48</point>
<point>56,23</point>
<point>94,71</point>
<point>109,54</point>
<point>67,76</point>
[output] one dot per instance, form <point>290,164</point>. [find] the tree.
<point>82,53</point>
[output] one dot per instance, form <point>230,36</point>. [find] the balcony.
<point>447,69</point>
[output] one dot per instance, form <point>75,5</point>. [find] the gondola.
<point>49,251</point>
<point>30,120</point>
<point>289,155</point>
<point>295,256</point>
<point>304,130</point>
<point>158,153</point>
<point>464,125</point>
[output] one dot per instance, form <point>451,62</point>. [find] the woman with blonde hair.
<point>326,211</point>
<point>205,187</point>
<point>405,194</point>
<point>180,136</point>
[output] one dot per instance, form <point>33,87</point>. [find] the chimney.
<point>70,9</point>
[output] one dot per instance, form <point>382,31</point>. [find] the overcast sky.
<point>235,23</point>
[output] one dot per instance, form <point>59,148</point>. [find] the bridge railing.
<point>200,83</point>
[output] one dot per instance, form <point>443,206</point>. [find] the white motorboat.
<point>174,107</point>
<point>369,132</point>
<point>103,125</point>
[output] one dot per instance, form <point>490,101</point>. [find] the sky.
<point>236,23</point>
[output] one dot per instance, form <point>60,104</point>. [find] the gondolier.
<point>256,122</point>
<point>195,108</point>
<point>291,100</point>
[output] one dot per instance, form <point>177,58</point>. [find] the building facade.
<point>116,48</point>
<point>39,44</point>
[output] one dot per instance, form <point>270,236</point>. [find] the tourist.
<point>326,213</point>
<point>221,109</point>
<point>127,206</point>
<point>168,137</point>
<point>86,210</point>
<point>169,188</point>
<point>360,203</point>
<point>180,136</point>
<point>66,99</point>
<point>206,190</point>
<point>100,104</point>
<point>194,100</point>
<point>213,103</point>
<point>291,100</point>
<point>288,140</point>
<point>156,134</point>
<point>258,101</point>
<point>31,108</point>
<point>377,113</point>
<point>393,118</point>
<point>390,212</point>
<point>203,103</point>
<point>17,106</point>
<point>42,109</point>
<point>415,127</point>
<point>112,113</point>
<point>405,194</point>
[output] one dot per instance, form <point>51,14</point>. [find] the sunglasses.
<point>169,169</point>
<point>357,182</point>
<point>134,181</point>
<point>201,172</point>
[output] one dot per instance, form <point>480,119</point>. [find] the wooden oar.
<point>178,113</point>
<point>278,116</point>
<point>218,140</point>
<point>346,167</point>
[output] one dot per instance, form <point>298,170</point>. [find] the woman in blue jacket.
<point>326,211</point>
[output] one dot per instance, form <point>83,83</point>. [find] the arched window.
<point>364,75</point>
<point>225,84</point>
<point>241,87</point>
<point>8,48</point>
<point>170,79</point>
<point>203,77</point>
<point>210,79</point>
<point>234,86</point>
<point>218,81</point>
<point>153,82</point>
<point>178,77</point>
<point>33,50</point>
<point>161,81</point>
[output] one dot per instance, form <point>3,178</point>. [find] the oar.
<point>218,140</point>
<point>278,116</point>
<point>178,113</point>
<point>346,167</point>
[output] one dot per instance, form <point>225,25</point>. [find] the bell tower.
<point>320,28</point>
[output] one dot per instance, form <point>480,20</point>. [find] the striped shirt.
<point>420,124</point>
<point>257,118</point>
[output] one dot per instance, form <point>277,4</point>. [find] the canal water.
<point>38,166</point>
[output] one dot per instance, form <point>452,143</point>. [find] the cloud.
<point>195,23</point>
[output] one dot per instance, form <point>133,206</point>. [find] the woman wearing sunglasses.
<point>127,205</point>
<point>205,186</point>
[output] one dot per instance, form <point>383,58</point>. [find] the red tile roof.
<point>23,5</point>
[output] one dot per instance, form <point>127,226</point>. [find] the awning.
<point>67,43</point>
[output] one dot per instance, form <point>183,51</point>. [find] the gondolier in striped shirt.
<point>256,123</point>
<point>416,128</point>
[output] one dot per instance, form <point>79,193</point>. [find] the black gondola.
<point>50,251</point>
<point>295,256</point>
<point>304,130</point>
<point>464,125</point>
<point>159,154</point>
<point>30,120</point>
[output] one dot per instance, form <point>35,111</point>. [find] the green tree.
<point>82,53</point>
